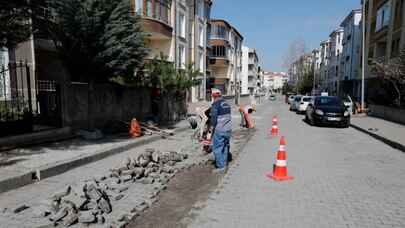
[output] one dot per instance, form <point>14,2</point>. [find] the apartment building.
<point>336,48</point>
<point>178,29</point>
<point>166,24</point>
<point>325,60</point>
<point>317,62</point>
<point>351,55</point>
<point>250,71</point>
<point>275,80</point>
<point>199,14</point>
<point>385,36</point>
<point>225,57</point>
<point>385,26</point>
<point>300,68</point>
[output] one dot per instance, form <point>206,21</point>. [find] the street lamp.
<point>363,69</point>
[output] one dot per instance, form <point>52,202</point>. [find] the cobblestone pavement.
<point>31,195</point>
<point>343,178</point>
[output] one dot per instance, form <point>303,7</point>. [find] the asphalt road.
<point>343,178</point>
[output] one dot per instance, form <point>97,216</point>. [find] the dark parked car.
<point>328,111</point>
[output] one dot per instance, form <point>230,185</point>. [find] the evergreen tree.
<point>15,24</point>
<point>97,39</point>
<point>123,42</point>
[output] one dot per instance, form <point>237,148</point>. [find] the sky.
<point>270,26</point>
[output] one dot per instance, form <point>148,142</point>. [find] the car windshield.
<point>306,99</point>
<point>297,98</point>
<point>328,101</point>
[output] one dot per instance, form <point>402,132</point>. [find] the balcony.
<point>156,29</point>
<point>219,61</point>
<point>156,16</point>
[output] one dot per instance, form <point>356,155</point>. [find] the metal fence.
<point>26,104</point>
<point>16,93</point>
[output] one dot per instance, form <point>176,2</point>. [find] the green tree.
<point>164,75</point>
<point>15,26</point>
<point>305,85</point>
<point>97,39</point>
<point>393,72</point>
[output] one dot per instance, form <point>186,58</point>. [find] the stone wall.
<point>388,113</point>
<point>114,103</point>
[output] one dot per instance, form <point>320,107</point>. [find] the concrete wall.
<point>113,102</point>
<point>388,113</point>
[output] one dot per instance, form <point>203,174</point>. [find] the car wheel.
<point>312,122</point>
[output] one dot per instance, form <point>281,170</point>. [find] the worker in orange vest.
<point>245,112</point>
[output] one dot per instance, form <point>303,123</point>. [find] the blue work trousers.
<point>220,148</point>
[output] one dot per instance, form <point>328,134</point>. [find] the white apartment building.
<point>226,57</point>
<point>178,29</point>
<point>351,54</point>
<point>324,69</point>
<point>336,48</point>
<point>199,14</point>
<point>275,80</point>
<point>250,71</point>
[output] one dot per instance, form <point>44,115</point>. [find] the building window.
<point>383,16</point>
<point>219,51</point>
<point>148,8</point>
<point>219,32</point>
<point>201,61</point>
<point>157,9</point>
<point>182,57</point>
<point>200,9</point>
<point>201,32</point>
<point>182,25</point>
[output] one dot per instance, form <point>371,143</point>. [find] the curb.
<point>64,166</point>
<point>390,143</point>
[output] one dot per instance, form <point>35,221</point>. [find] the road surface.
<point>343,178</point>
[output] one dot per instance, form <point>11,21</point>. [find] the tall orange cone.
<point>280,168</point>
<point>274,130</point>
<point>275,120</point>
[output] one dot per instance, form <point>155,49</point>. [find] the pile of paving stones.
<point>91,201</point>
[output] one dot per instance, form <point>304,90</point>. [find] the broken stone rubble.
<point>88,202</point>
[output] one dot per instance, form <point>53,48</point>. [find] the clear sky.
<point>271,25</point>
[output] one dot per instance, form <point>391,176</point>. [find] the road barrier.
<point>280,168</point>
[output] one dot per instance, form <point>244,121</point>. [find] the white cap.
<point>215,92</point>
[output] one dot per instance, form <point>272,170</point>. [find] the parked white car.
<point>295,103</point>
<point>348,102</point>
<point>303,105</point>
<point>291,99</point>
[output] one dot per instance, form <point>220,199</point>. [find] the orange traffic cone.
<point>280,168</point>
<point>135,129</point>
<point>274,120</point>
<point>274,130</point>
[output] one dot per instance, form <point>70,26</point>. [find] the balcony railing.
<point>157,9</point>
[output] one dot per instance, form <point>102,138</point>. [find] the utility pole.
<point>363,69</point>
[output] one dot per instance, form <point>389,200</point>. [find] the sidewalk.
<point>388,132</point>
<point>24,166</point>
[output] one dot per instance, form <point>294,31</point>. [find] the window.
<point>201,61</point>
<point>383,16</point>
<point>182,57</point>
<point>218,51</point>
<point>201,32</point>
<point>182,25</point>
<point>200,9</point>
<point>148,9</point>
<point>219,32</point>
